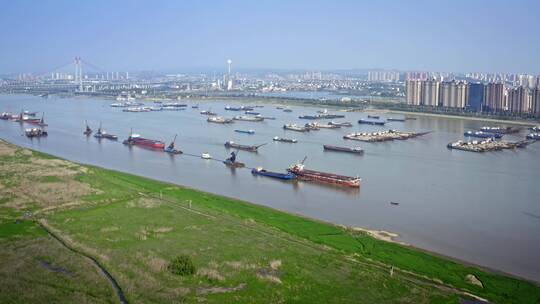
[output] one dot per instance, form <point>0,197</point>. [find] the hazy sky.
<point>458,35</point>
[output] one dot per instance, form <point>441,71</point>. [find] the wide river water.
<point>481,208</point>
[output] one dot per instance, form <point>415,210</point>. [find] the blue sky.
<point>459,35</point>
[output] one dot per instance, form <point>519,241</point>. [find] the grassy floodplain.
<point>243,253</point>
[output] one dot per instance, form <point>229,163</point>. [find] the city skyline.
<point>452,37</point>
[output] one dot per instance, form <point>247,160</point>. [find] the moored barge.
<point>324,177</point>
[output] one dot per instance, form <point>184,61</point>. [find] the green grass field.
<point>243,253</point>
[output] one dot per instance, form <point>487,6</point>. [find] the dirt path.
<point>114,284</point>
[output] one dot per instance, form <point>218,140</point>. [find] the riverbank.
<point>134,226</point>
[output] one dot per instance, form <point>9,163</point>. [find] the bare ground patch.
<point>210,290</point>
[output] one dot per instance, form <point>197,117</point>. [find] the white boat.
<point>206,156</point>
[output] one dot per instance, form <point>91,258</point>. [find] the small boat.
<point>229,108</point>
<point>195,106</point>
<point>87,131</point>
<point>263,172</point>
<point>252,113</point>
<point>410,118</point>
<point>356,150</point>
<point>208,112</point>
<point>279,108</point>
<point>534,129</point>
<point>231,161</point>
<point>103,134</point>
<point>206,156</point>
<point>171,149</point>
<point>340,124</point>
<point>5,116</point>
<point>394,203</point>
<point>371,122</point>
<point>395,119</point>
<point>534,136</point>
<point>294,127</point>
<point>232,144</point>
<point>245,131</point>
<point>28,113</point>
<point>287,140</point>
<point>287,110</point>
<point>374,116</point>
<point>35,132</point>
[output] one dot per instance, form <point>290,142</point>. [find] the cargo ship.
<point>481,134</point>
<point>232,144</point>
<point>321,116</point>
<point>278,175</point>
<point>137,140</point>
<point>294,127</point>
<point>340,124</point>
<point>287,140</point>
<point>371,122</point>
<point>356,150</point>
<point>323,177</point>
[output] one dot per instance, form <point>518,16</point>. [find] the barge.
<point>294,127</point>
<point>219,120</point>
<point>323,177</point>
<point>507,130</point>
<point>356,150</point>
<point>486,145</point>
<point>262,172</point>
<point>371,122</point>
<point>395,119</point>
<point>287,140</point>
<point>249,118</point>
<point>340,124</point>
<point>250,132</point>
<point>233,145</point>
<point>481,134</point>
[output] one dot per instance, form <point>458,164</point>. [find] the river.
<point>480,208</point>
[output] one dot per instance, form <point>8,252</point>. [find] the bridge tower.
<point>78,73</point>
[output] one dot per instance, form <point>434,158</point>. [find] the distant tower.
<point>229,79</point>
<point>78,72</point>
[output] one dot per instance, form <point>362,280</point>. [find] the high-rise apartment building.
<point>518,100</point>
<point>494,97</point>
<point>430,93</point>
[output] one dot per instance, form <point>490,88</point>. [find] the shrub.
<point>182,265</point>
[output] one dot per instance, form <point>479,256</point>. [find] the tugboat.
<point>87,131</point>
<point>171,149</point>
<point>231,161</point>
<point>232,144</point>
<point>136,139</point>
<point>263,172</point>
<point>323,177</point>
<point>103,134</point>
<point>287,140</point>
<point>35,132</point>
